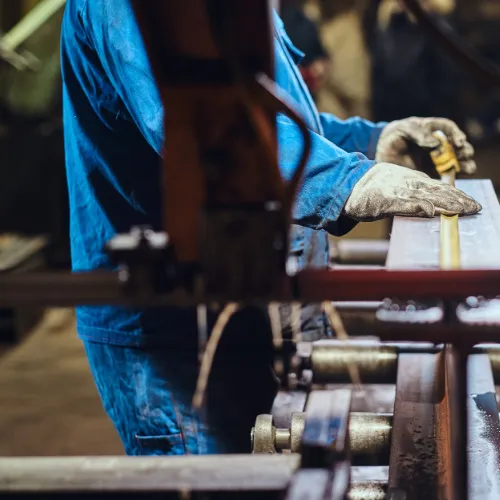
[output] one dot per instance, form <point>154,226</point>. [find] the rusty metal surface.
<point>311,285</point>
<point>415,243</point>
<point>315,285</point>
<point>414,470</point>
<point>483,430</point>
<point>451,431</point>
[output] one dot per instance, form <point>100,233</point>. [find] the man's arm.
<point>117,40</point>
<point>330,173</point>
<point>328,181</point>
<point>352,135</point>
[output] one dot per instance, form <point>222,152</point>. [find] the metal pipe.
<point>329,363</point>
<point>377,362</point>
<point>369,436</point>
<point>353,251</point>
<point>140,475</point>
<point>311,285</point>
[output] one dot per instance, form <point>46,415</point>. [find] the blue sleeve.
<point>353,135</point>
<point>330,174</point>
<point>329,177</point>
<point>118,42</point>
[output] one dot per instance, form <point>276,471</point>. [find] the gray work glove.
<point>387,190</point>
<point>399,138</point>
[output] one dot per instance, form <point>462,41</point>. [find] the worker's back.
<point>113,121</point>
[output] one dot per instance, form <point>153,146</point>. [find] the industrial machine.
<point>428,428</point>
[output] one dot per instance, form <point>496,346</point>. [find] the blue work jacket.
<point>113,121</point>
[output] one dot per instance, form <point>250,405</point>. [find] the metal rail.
<point>135,477</point>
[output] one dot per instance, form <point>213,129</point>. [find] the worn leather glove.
<point>399,138</point>
<point>387,190</point>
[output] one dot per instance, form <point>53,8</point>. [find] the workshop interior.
<point>399,399</point>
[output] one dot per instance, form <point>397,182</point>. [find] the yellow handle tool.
<point>447,166</point>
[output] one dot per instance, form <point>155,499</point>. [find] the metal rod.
<point>450,239</point>
<point>376,361</point>
<point>369,436</point>
<point>105,287</point>
<point>101,476</point>
<point>30,23</point>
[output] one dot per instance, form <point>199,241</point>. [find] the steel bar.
<point>101,287</point>
<point>452,432</point>
<point>354,251</point>
<point>317,285</point>
<point>415,243</point>
<point>483,430</point>
<point>377,362</point>
<point>193,473</point>
<point>103,476</point>
<point>414,471</point>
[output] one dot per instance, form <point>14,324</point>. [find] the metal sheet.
<point>414,470</point>
<point>415,243</point>
<point>483,431</point>
<point>93,474</point>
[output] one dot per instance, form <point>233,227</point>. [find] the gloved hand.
<point>387,190</point>
<point>398,137</point>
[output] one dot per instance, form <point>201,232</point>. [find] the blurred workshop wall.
<point>33,197</point>
<point>32,93</point>
<point>346,91</point>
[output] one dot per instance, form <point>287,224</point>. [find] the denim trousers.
<point>147,392</point>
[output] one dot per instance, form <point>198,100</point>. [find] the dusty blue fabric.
<point>113,120</point>
<point>147,393</point>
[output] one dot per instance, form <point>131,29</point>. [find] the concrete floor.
<point>48,403</point>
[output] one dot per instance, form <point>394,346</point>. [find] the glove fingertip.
<point>468,166</point>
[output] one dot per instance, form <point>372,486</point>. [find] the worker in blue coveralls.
<point>145,362</point>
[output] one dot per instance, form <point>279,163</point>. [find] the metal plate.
<point>415,471</point>
<point>483,431</point>
<point>415,243</point>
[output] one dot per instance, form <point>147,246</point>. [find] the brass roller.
<point>377,363</point>
<point>369,435</point>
